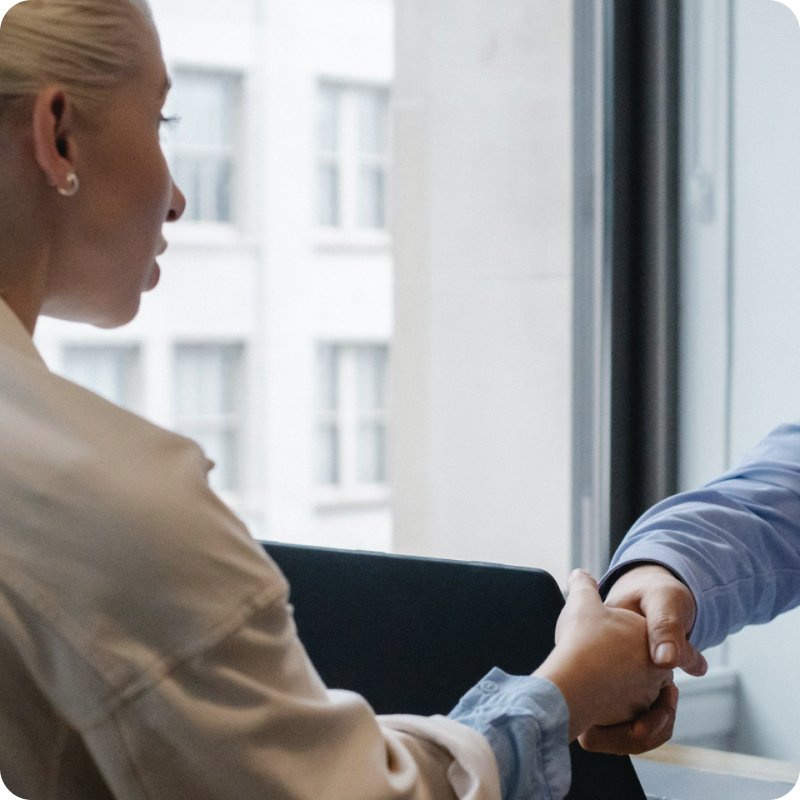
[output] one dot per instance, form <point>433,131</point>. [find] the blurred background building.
<point>268,339</point>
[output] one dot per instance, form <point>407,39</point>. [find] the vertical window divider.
<point>593,153</point>
<point>627,183</point>
<point>646,246</point>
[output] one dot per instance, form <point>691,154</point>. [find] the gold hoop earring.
<point>72,189</point>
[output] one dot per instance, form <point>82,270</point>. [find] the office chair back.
<point>412,635</point>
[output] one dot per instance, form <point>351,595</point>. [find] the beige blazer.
<point>147,650</point>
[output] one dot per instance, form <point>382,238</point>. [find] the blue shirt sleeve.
<point>526,722</point>
<point>735,543</point>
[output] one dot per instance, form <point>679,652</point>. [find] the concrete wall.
<point>483,177</point>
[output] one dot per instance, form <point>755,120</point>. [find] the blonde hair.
<point>87,46</point>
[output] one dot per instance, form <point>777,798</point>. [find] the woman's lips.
<point>153,278</point>
<point>155,273</point>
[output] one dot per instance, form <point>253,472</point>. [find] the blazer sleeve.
<point>250,718</point>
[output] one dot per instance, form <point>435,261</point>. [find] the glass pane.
<point>206,379</point>
<point>200,145</point>
<point>206,172</point>
<point>327,454</point>
<point>328,195</point>
<point>740,287</point>
<point>372,453</point>
<point>206,405</point>
<point>372,197</point>
<point>206,183</point>
<point>204,103</point>
<point>107,371</point>
<point>197,388</point>
<point>327,378</point>
<point>186,172</point>
<point>373,123</point>
<point>222,184</point>
<point>371,377</point>
<point>328,120</point>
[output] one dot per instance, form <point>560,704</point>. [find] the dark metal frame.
<point>646,241</point>
<point>626,267</point>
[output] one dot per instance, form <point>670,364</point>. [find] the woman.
<point>146,642</point>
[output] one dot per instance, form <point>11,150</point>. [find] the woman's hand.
<point>601,662</point>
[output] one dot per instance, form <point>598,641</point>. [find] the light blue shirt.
<point>735,542</point>
<point>526,722</point>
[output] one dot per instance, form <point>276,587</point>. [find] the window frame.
<point>627,264</point>
<point>235,422</point>
<point>134,354</point>
<point>216,230</point>
<point>348,234</point>
<point>349,491</point>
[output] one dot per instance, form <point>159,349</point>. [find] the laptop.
<point>412,635</point>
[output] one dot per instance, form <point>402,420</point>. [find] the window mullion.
<point>348,153</point>
<point>348,417</point>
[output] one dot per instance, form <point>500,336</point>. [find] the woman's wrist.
<point>565,674</point>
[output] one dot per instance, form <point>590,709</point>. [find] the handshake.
<point>613,662</point>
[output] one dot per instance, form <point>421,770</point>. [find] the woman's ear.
<point>53,141</point>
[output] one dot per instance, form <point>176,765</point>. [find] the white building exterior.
<point>268,336</point>
<point>256,297</point>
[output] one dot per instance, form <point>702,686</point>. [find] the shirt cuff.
<point>626,564</point>
<point>526,722</point>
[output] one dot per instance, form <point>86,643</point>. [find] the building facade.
<point>268,338</point>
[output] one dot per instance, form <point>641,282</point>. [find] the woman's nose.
<point>177,204</point>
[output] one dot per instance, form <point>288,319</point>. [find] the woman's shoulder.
<point>68,454</point>
<point>71,432</point>
<point>107,515</point>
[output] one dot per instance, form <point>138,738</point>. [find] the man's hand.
<point>645,732</point>
<point>601,662</point>
<point>669,609</point>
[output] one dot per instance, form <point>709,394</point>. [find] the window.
<point>353,148</point>
<point>110,371</point>
<point>208,393</point>
<point>351,415</point>
<point>740,286</point>
<point>329,212</point>
<point>201,145</point>
<point>372,157</point>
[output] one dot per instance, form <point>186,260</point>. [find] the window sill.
<point>208,234</point>
<point>707,708</point>
<point>348,499</point>
<point>332,240</point>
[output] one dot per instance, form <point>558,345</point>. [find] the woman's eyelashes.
<point>167,122</point>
